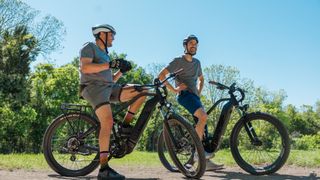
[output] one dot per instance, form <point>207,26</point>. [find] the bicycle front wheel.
<point>70,145</point>
<point>260,143</point>
<point>184,147</point>
<point>164,155</point>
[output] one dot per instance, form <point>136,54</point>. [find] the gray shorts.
<point>99,95</point>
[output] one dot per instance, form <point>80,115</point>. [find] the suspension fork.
<point>249,129</point>
<point>174,142</point>
<point>166,115</point>
<point>252,134</point>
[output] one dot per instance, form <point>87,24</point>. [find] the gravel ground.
<point>155,173</point>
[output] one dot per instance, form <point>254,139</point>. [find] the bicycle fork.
<point>249,128</point>
<point>166,115</point>
<point>252,134</point>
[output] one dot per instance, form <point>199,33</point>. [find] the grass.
<point>23,161</point>
<point>296,158</point>
<point>304,158</point>
<point>37,161</point>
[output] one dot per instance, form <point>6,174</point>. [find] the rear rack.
<point>68,108</point>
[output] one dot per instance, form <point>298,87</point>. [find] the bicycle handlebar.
<point>231,89</point>
<point>157,82</point>
<point>172,75</point>
<point>219,85</point>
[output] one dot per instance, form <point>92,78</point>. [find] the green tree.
<point>49,31</point>
<point>18,50</point>
<point>154,69</point>
<point>222,74</point>
<point>15,128</point>
<point>310,119</point>
<point>50,88</point>
<point>318,108</point>
<point>22,39</point>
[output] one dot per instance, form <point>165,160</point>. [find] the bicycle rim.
<point>66,153</point>
<point>265,155</point>
<point>164,154</point>
<point>188,155</point>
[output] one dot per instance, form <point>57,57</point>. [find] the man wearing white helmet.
<point>189,84</point>
<point>99,89</point>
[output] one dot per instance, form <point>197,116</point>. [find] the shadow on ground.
<point>225,174</point>
<point>220,174</point>
<point>90,177</point>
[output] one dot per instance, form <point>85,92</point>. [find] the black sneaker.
<point>107,173</point>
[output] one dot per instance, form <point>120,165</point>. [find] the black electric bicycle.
<point>71,147</point>
<point>259,142</point>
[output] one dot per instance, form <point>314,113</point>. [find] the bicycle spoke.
<point>69,151</point>
<point>260,156</point>
<point>185,149</point>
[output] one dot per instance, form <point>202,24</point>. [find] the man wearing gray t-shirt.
<point>99,89</point>
<point>188,85</point>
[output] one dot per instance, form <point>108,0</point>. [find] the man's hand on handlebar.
<point>121,64</point>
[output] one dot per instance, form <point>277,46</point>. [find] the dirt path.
<point>157,173</point>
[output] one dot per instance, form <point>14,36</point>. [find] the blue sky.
<point>276,43</point>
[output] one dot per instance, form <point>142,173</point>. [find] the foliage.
<point>17,52</point>
<point>15,128</point>
<point>49,31</point>
<point>50,86</point>
<point>31,100</point>
<point>21,41</point>
<point>307,142</point>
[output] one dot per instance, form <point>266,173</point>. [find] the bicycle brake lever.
<point>213,82</point>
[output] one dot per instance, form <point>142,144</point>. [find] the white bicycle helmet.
<point>102,28</point>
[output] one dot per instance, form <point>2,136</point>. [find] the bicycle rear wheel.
<point>268,148</point>
<point>70,145</point>
<point>184,147</point>
<point>164,155</point>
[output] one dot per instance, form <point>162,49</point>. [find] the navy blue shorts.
<point>189,101</point>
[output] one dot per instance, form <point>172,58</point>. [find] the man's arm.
<point>201,83</point>
<point>164,72</point>
<point>87,67</point>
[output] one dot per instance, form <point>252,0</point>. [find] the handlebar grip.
<point>213,82</point>
<point>219,85</point>
<point>176,72</point>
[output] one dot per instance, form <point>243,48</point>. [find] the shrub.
<point>307,142</point>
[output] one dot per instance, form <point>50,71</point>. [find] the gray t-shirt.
<point>190,74</point>
<point>91,50</point>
